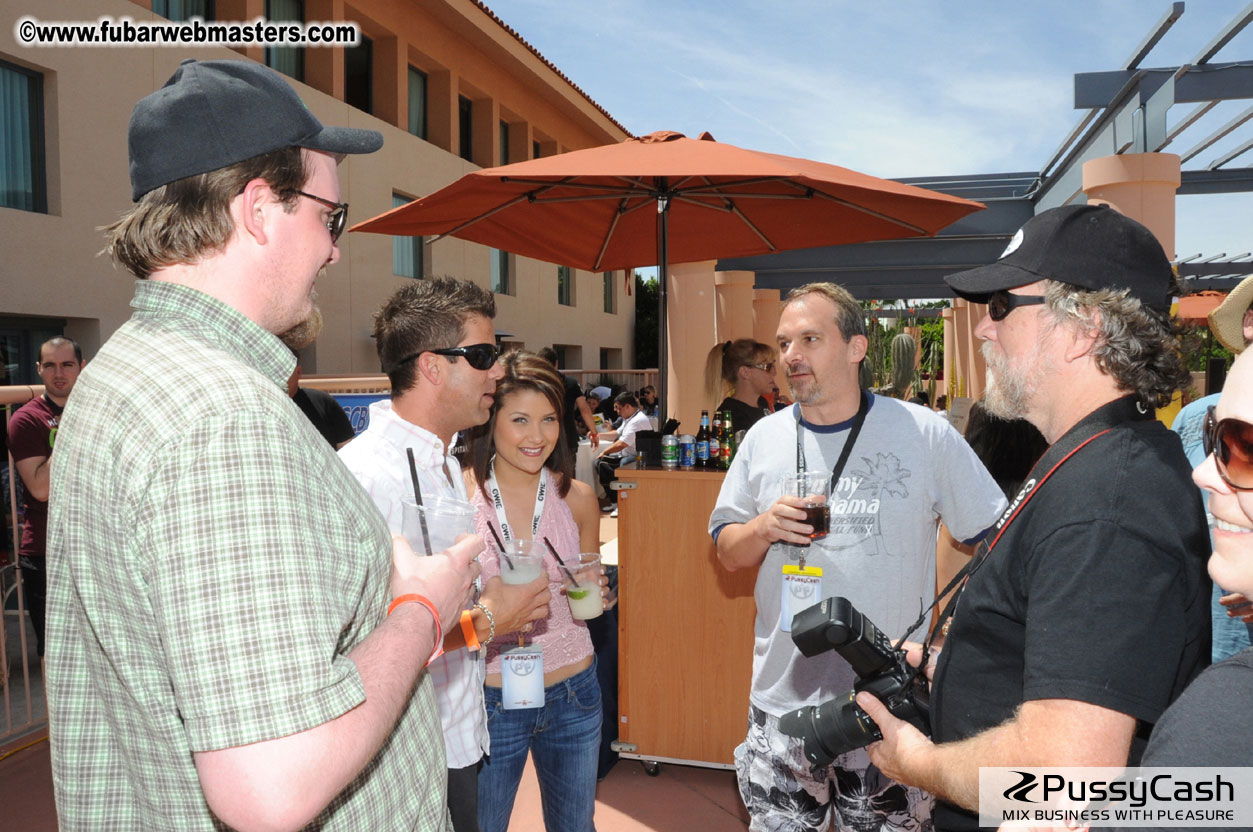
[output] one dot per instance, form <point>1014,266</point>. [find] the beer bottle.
<point>702,441</point>
<point>728,441</point>
<point>715,442</point>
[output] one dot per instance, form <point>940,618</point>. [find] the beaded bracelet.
<point>491,623</point>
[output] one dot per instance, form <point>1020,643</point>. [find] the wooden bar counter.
<point>685,624</point>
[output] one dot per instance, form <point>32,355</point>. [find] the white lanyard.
<point>498,501</point>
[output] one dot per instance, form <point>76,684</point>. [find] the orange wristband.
<point>467,630</point>
<point>426,602</point>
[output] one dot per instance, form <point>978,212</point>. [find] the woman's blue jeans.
<point>563,737</point>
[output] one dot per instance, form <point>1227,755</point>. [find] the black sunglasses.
<point>1000,304</point>
<point>1231,443</point>
<point>478,356</point>
<point>338,217</point>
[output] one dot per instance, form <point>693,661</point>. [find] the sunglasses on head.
<point>1001,303</point>
<point>337,219</point>
<point>1231,443</point>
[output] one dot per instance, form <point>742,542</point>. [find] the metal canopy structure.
<point>1126,112</point>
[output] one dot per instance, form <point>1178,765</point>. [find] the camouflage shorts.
<point>784,793</point>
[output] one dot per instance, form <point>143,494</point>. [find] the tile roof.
<point>551,66</point>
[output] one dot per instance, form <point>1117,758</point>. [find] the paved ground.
<point>678,799</point>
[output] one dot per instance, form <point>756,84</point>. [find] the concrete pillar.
<point>733,293</point>
<point>1138,185</point>
<point>242,10</point>
<point>691,330</point>
<point>441,109</point>
<point>520,137</point>
<point>324,68</point>
<point>950,346</point>
<point>767,306</point>
<point>485,132</point>
<point>966,364</point>
<point>391,81</point>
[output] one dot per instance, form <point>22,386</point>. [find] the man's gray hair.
<point>1137,347</point>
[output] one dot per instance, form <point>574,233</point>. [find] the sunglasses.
<point>1231,443</point>
<point>768,367</point>
<point>338,217</point>
<point>1000,304</point>
<point>478,356</point>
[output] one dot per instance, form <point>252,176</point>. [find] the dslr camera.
<point>838,726</point>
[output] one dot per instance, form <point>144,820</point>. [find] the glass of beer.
<point>814,487</point>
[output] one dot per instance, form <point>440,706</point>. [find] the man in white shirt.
<point>436,343</point>
<point>622,444</point>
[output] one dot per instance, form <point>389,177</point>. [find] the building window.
<point>289,60</point>
<point>610,358</point>
<point>183,9</point>
<point>504,142</point>
<point>417,102</point>
<point>501,279</point>
<point>565,286</point>
<point>560,349</point>
<point>359,75</point>
<point>534,150</point>
<point>20,339</point>
<point>465,126</point>
<point>610,305</point>
<point>408,258</point>
<point>23,182</point>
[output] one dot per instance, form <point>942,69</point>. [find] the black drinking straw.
<point>496,537</point>
<point>560,562</point>
<point>417,497</point>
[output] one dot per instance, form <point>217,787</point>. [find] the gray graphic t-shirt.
<point>908,469</point>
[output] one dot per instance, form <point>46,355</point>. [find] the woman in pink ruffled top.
<point>521,455</point>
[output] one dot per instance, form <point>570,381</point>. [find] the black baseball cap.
<point>212,114</point>
<point>1090,246</point>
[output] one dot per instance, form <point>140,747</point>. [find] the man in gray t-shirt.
<point>907,469</point>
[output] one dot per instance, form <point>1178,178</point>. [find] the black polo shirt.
<point>1097,592</point>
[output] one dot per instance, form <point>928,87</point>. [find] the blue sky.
<point>893,88</point>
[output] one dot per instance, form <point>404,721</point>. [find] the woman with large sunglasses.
<point>743,371</point>
<point>1211,724</point>
<point>521,456</point>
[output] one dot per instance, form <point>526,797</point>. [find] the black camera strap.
<point>1096,424</point>
<point>860,419</point>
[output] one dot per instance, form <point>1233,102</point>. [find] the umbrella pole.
<point>663,216</point>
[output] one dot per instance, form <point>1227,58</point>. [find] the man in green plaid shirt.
<point>220,644</point>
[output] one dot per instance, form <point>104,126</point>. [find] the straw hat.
<point>1226,320</point>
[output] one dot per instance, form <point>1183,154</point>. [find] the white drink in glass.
<point>585,600</point>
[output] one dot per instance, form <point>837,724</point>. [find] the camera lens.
<point>835,727</point>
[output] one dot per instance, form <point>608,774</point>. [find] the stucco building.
<point>450,86</point>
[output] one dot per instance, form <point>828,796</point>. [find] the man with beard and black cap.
<point>234,638</point>
<point>1089,613</point>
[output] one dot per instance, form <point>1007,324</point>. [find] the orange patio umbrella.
<point>664,198</point>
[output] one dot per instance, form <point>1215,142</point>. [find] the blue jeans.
<point>563,737</point>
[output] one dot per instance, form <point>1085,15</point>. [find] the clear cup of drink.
<point>814,487</point>
<point>583,585</point>
<point>437,522</point>
<point>522,562</point>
